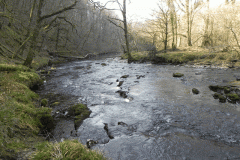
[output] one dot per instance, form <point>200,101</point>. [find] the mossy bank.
<point>229,59</point>
<point>24,119</point>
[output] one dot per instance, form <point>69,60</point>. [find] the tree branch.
<point>116,19</point>
<point>115,24</point>
<point>59,12</point>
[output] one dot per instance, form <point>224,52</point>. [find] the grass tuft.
<point>66,150</point>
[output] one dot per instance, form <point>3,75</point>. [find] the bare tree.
<point>37,28</point>
<point>114,20</point>
<point>190,9</point>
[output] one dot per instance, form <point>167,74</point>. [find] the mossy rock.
<point>103,64</point>
<point>195,91</point>
<point>216,88</point>
<point>178,75</point>
<point>219,96</point>
<point>46,120</point>
<point>44,102</point>
<point>9,67</point>
<point>233,98</point>
<point>227,90</point>
<point>81,112</point>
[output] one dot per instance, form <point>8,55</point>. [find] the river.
<point>159,119</point>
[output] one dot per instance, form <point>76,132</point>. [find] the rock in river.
<point>120,83</point>
<point>122,93</point>
<point>91,143</point>
<point>125,76</point>
<point>178,75</point>
<point>195,91</point>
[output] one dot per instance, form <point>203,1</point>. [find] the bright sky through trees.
<point>139,10</point>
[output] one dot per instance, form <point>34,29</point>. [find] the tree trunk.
<point>35,34</point>
<point>124,12</point>
<point>37,28</point>
<point>57,40</point>
<point>189,39</point>
<point>166,36</point>
<point>206,32</point>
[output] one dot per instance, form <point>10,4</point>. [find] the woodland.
<point>32,27</point>
<point>32,32</point>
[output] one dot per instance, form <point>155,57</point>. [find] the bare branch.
<point>116,19</point>
<point>59,12</point>
<point>115,24</point>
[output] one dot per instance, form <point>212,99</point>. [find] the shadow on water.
<point>159,116</point>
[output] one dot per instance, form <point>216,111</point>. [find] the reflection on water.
<point>162,118</point>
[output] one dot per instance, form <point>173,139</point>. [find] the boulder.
<point>122,93</point>
<point>178,75</point>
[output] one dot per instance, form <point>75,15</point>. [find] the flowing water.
<point>160,118</point>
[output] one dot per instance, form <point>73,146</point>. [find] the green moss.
<point>219,96</point>
<point>81,112</point>
<point>20,119</point>
<point>137,56</point>
<point>233,98</point>
<point>45,119</point>
<point>55,104</point>
<point>44,102</point>
<point>178,75</point>
<point>9,67</point>
<point>215,88</point>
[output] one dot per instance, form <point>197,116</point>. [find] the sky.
<point>140,10</point>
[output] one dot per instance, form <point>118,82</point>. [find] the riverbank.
<point>190,57</point>
<point>25,120</point>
